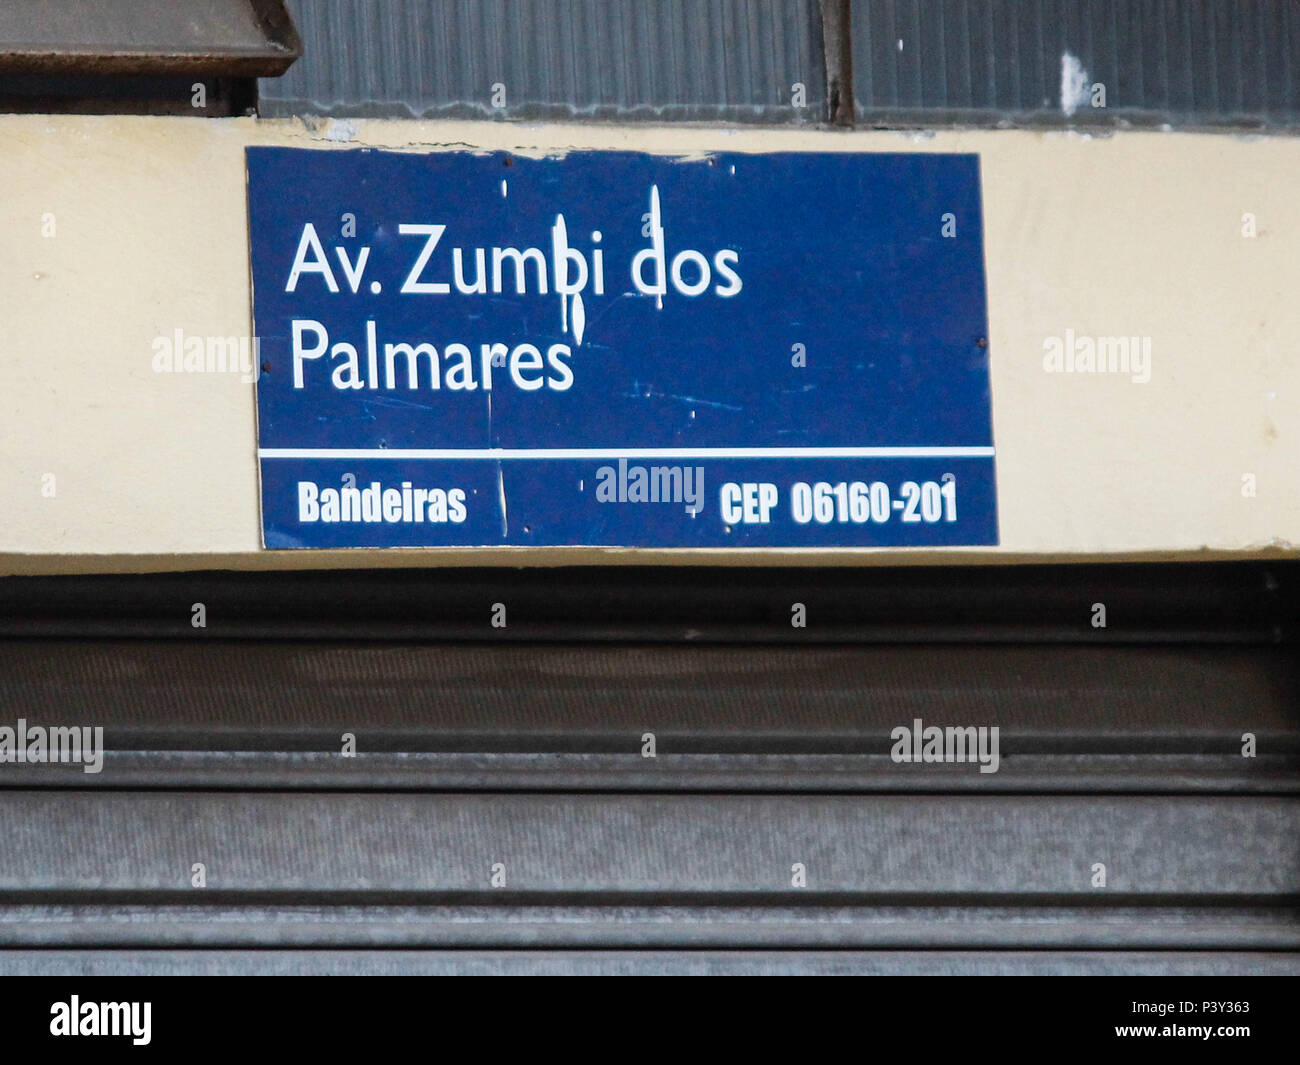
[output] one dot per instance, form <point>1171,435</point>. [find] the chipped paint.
<point>1075,85</point>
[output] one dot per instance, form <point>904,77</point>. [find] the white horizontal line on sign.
<point>628,453</point>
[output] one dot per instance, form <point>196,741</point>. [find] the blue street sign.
<point>613,348</point>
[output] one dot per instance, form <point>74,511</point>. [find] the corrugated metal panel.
<point>679,59</point>
<point>1226,602</point>
<point>652,848</point>
<point>1192,63</point>
<point>1121,746</point>
<point>351,921</point>
<point>269,714</point>
<point>642,963</point>
<point>1185,62</point>
<point>338,870</point>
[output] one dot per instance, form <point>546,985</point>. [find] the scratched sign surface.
<point>613,348</point>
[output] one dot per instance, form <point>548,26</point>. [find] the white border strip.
<point>629,453</point>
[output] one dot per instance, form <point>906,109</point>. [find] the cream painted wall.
<point>1131,234</point>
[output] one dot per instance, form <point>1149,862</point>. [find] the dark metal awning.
<point>221,38</point>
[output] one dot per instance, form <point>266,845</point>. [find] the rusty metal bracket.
<point>837,42</point>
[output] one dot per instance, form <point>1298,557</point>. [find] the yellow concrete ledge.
<point>118,230</point>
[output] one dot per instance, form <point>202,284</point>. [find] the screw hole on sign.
<point>508,161</point>
<point>527,528</point>
<point>266,367</point>
<point>982,342</point>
